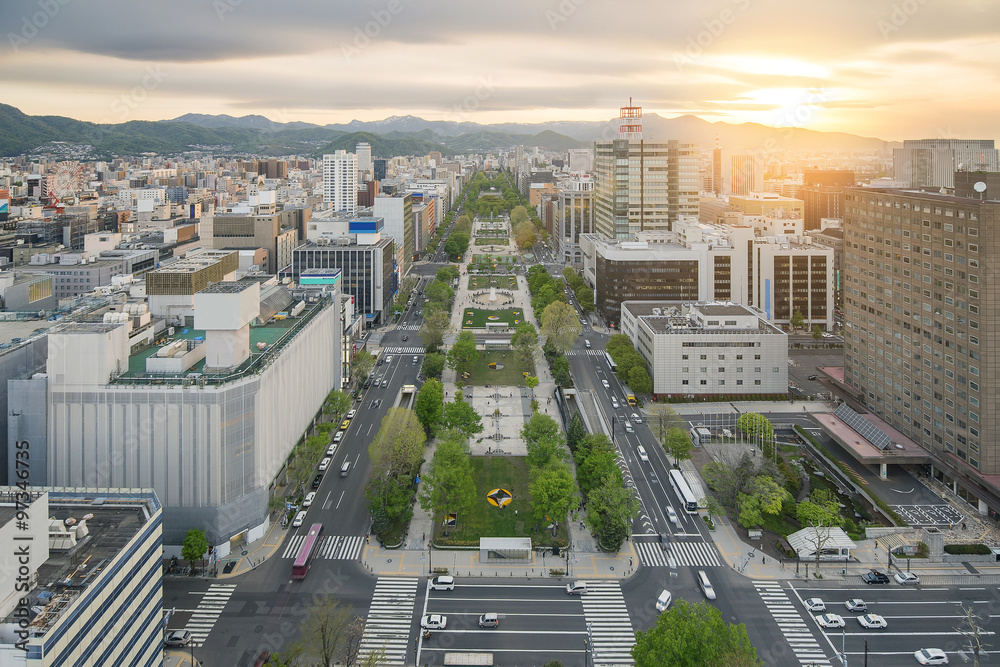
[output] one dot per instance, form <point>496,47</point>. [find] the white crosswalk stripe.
<point>331,547</point>
<point>404,350</point>
<point>209,609</point>
<point>581,353</point>
<point>796,628</point>
<point>611,632</point>
<point>389,619</point>
<point>678,554</point>
<point>407,327</point>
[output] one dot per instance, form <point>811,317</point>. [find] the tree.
<point>971,629</point>
<point>617,344</point>
<point>337,403</point>
<point>433,365</point>
<point>611,509</point>
<point>362,365</point>
<point>436,325</point>
<point>440,294</point>
<point>694,635</point>
<point>712,506</point>
<point>457,244</point>
<point>523,343</point>
<point>678,444</point>
<point>734,473</point>
<point>398,445</point>
<point>755,427</point>
<point>639,380</point>
<point>462,417</point>
<point>463,352</point>
<point>821,512</point>
<point>543,440</point>
<point>517,215</point>
<point>531,382</point>
<point>661,419</point>
<point>560,372</point>
<point>585,297</point>
<point>553,492</point>
<point>524,235</point>
<point>797,320</point>
<point>765,496</point>
<point>817,332</point>
<point>194,547</point>
<point>561,325</point>
<point>575,431</point>
<point>325,629</point>
<point>599,465</point>
<point>429,404</point>
<point>448,485</point>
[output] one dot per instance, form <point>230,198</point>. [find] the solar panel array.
<point>865,428</point>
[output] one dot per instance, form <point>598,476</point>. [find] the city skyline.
<point>891,70</point>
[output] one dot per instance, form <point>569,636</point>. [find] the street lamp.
<point>590,641</point>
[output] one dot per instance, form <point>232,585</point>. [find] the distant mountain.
<point>252,122</point>
<point>383,146</point>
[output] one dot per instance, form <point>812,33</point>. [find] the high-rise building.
<point>380,168</point>
<point>340,181</point>
<point>642,185</point>
<point>933,162</point>
<point>364,153</point>
<point>736,172</point>
<point>574,216</point>
<point>920,309</point>
<point>397,212</point>
<point>581,160</point>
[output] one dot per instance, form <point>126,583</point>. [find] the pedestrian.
<point>515,512</point>
<point>763,560</point>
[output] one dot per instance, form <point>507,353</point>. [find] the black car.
<point>317,480</point>
<point>813,377</point>
<point>875,577</point>
<point>406,337</point>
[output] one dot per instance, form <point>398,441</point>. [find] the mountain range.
<point>396,135</point>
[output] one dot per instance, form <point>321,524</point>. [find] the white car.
<point>906,578</point>
<point>671,515</point>
<point>663,602</point>
<point>325,463</point>
<point>856,604</point>
<point>351,413</point>
<point>310,497</point>
<point>628,426</point>
<point>642,453</point>
<point>636,419</point>
<point>814,604</point>
<point>605,383</point>
<point>332,449</point>
<point>931,656</point>
<point>830,621</point>
<point>443,583</point>
<point>872,621</point>
<point>299,518</point>
<point>434,622</point>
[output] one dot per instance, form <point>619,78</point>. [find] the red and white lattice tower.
<point>630,122</point>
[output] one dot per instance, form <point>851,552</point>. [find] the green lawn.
<point>476,318</point>
<point>491,241</point>
<point>486,520</point>
<point>500,282</point>
<point>486,260</point>
<point>482,375</point>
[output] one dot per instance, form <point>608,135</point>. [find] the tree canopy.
<point>694,635</point>
<point>561,325</point>
<point>429,404</point>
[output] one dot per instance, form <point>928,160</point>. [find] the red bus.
<point>307,552</point>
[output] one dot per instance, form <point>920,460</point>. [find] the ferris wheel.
<point>63,182</point>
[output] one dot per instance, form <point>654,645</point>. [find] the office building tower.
<point>933,162</point>
<point>364,153</point>
<point>397,212</point>
<point>574,215</point>
<point>380,165</point>
<point>340,181</point>
<point>736,172</point>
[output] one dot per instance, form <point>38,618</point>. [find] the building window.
<point>684,381</point>
<point>756,382</point>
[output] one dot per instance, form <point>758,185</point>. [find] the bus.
<point>307,552</point>
<point>683,491</point>
<point>611,362</point>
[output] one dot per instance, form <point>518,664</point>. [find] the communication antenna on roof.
<point>630,122</point>
<point>980,187</point>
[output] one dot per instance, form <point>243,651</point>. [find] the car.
<point>337,437</point>
<point>344,425</point>
<point>380,362</point>
<point>872,621</point>
<point>177,638</point>
<point>906,578</point>
<point>405,337</point>
<point>672,515</point>
<point>376,403</point>
<point>299,518</point>
<point>813,377</point>
<point>606,385</point>
<point>415,359</point>
<point>856,604</point>
<point>351,413</point>
<point>875,577</point>
<point>576,588</point>
<point>442,583</point>
<point>726,433</point>
<point>614,402</point>
<point>310,497</point>
<point>434,622</point>
<point>628,426</point>
<point>664,538</point>
<point>642,452</point>
<point>489,621</point>
<point>830,621</point>
<point>324,464</point>
<point>931,656</point>
<point>663,602</point>
<point>636,419</point>
<point>814,604</point>
<point>385,383</point>
<point>317,480</point>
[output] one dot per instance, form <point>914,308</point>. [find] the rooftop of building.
<point>671,317</point>
<point>194,261</point>
<point>923,194</point>
<point>111,518</point>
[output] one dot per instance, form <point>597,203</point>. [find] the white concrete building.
<point>340,181</point>
<point>707,349</point>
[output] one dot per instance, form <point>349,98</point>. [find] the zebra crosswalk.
<point>407,327</point>
<point>404,350</point>
<point>209,609</point>
<point>607,617</point>
<point>331,547</point>
<point>679,554</point>
<point>793,626</point>
<point>589,353</point>
<point>389,619</point>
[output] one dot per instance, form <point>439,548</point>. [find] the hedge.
<point>896,519</point>
<point>967,549</point>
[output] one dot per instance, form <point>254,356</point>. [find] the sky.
<point>892,69</point>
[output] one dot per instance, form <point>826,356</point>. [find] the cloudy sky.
<point>888,68</point>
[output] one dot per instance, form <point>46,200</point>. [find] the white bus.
<point>688,501</point>
<point>611,362</point>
